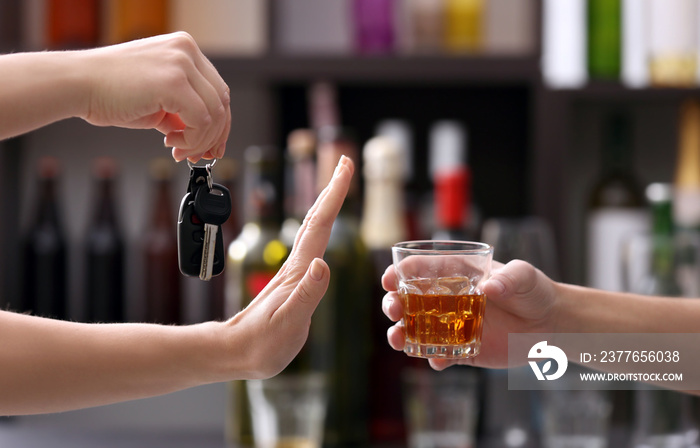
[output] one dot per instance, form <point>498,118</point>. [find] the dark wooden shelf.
<point>596,91</point>
<point>478,69</point>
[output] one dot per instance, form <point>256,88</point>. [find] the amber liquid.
<point>442,318</point>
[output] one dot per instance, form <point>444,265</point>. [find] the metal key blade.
<point>208,250</point>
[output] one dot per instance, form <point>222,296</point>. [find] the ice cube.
<point>456,284</point>
<point>409,288</point>
<point>469,290</point>
<point>440,290</point>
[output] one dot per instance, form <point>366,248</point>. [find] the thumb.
<point>309,291</point>
<point>517,278</point>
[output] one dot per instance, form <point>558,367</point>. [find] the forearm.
<point>587,310</point>
<point>40,88</point>
<point>50,365</point>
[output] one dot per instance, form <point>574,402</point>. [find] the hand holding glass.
<point>440,289</point>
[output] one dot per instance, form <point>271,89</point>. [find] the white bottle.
<point>383,222</point>
<point>635,45</point>
<point>564,43</point>
<point>673,28</point>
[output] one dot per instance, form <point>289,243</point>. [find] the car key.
<point>191,228</point>
<point>213,206</point>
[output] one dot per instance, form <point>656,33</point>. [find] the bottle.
<point>300,180</point>
<point>73,23</point>
<point>604,38</point>
<point>686,208</point>
<point>162,275</point>
<point>347,302</point>
<point>44,249</point>
<point>464,25</point>
<point>104,248</point>
<point>564,43</point>
<point>226,174</point>
<point>223,27</point>
<point>423,28</point>
<point>510,28</point>
<point>402,134</point>
<point>672,42</point>
<point>661,280</point>
<point>10,28</point>
<point>374,26</point>
<point>253,259</point>
<point>635,36</point>
<point>662,417</point>
<point>455,217</point>
<point>313,27</point>
<point>616,207</point>
<point>135,19</point>
<point>452,182</point>
<point>383,224</point>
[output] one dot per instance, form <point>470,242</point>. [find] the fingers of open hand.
<point>312,237</point>
<point>302,303</point>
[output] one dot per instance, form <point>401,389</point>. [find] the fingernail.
<point>177,159</point>
<point>316,270</point>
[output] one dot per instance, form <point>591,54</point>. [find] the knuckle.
<point>184,40</point>
<point>304,294</point>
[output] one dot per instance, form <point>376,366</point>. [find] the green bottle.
<point>662,279</point>
<point>342,319</point>
<point>604,38</point>
<point>253,259</point>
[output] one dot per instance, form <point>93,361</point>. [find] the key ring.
<point>208,167</point>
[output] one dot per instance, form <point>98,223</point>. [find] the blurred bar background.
<point>564,111</point>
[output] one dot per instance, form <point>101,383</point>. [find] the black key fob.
<point>191,231</point>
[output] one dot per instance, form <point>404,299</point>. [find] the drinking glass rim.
<point>427,247</point>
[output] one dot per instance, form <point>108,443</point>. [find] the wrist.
<point>81,75</point>
<point>212,360</point>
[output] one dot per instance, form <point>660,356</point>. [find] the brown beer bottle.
<point>44,250</point>
<point>163,290</point>
<point>104,247</point>
<point>383,224</point>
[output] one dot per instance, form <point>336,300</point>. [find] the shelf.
<point>412,69</point>
<point>616,91</point>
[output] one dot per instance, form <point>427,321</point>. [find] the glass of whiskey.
<point>439,285</point>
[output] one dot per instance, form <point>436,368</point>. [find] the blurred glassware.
<point>527,238</point>
<point>508,415</point>
<point>576,418</point>
<point>615,205</point>
<point>663,419</point>
<point>651,264</point>
<point>288,410</point>
<point>441,407</point>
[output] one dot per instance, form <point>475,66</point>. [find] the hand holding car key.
<point>203,209</point>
